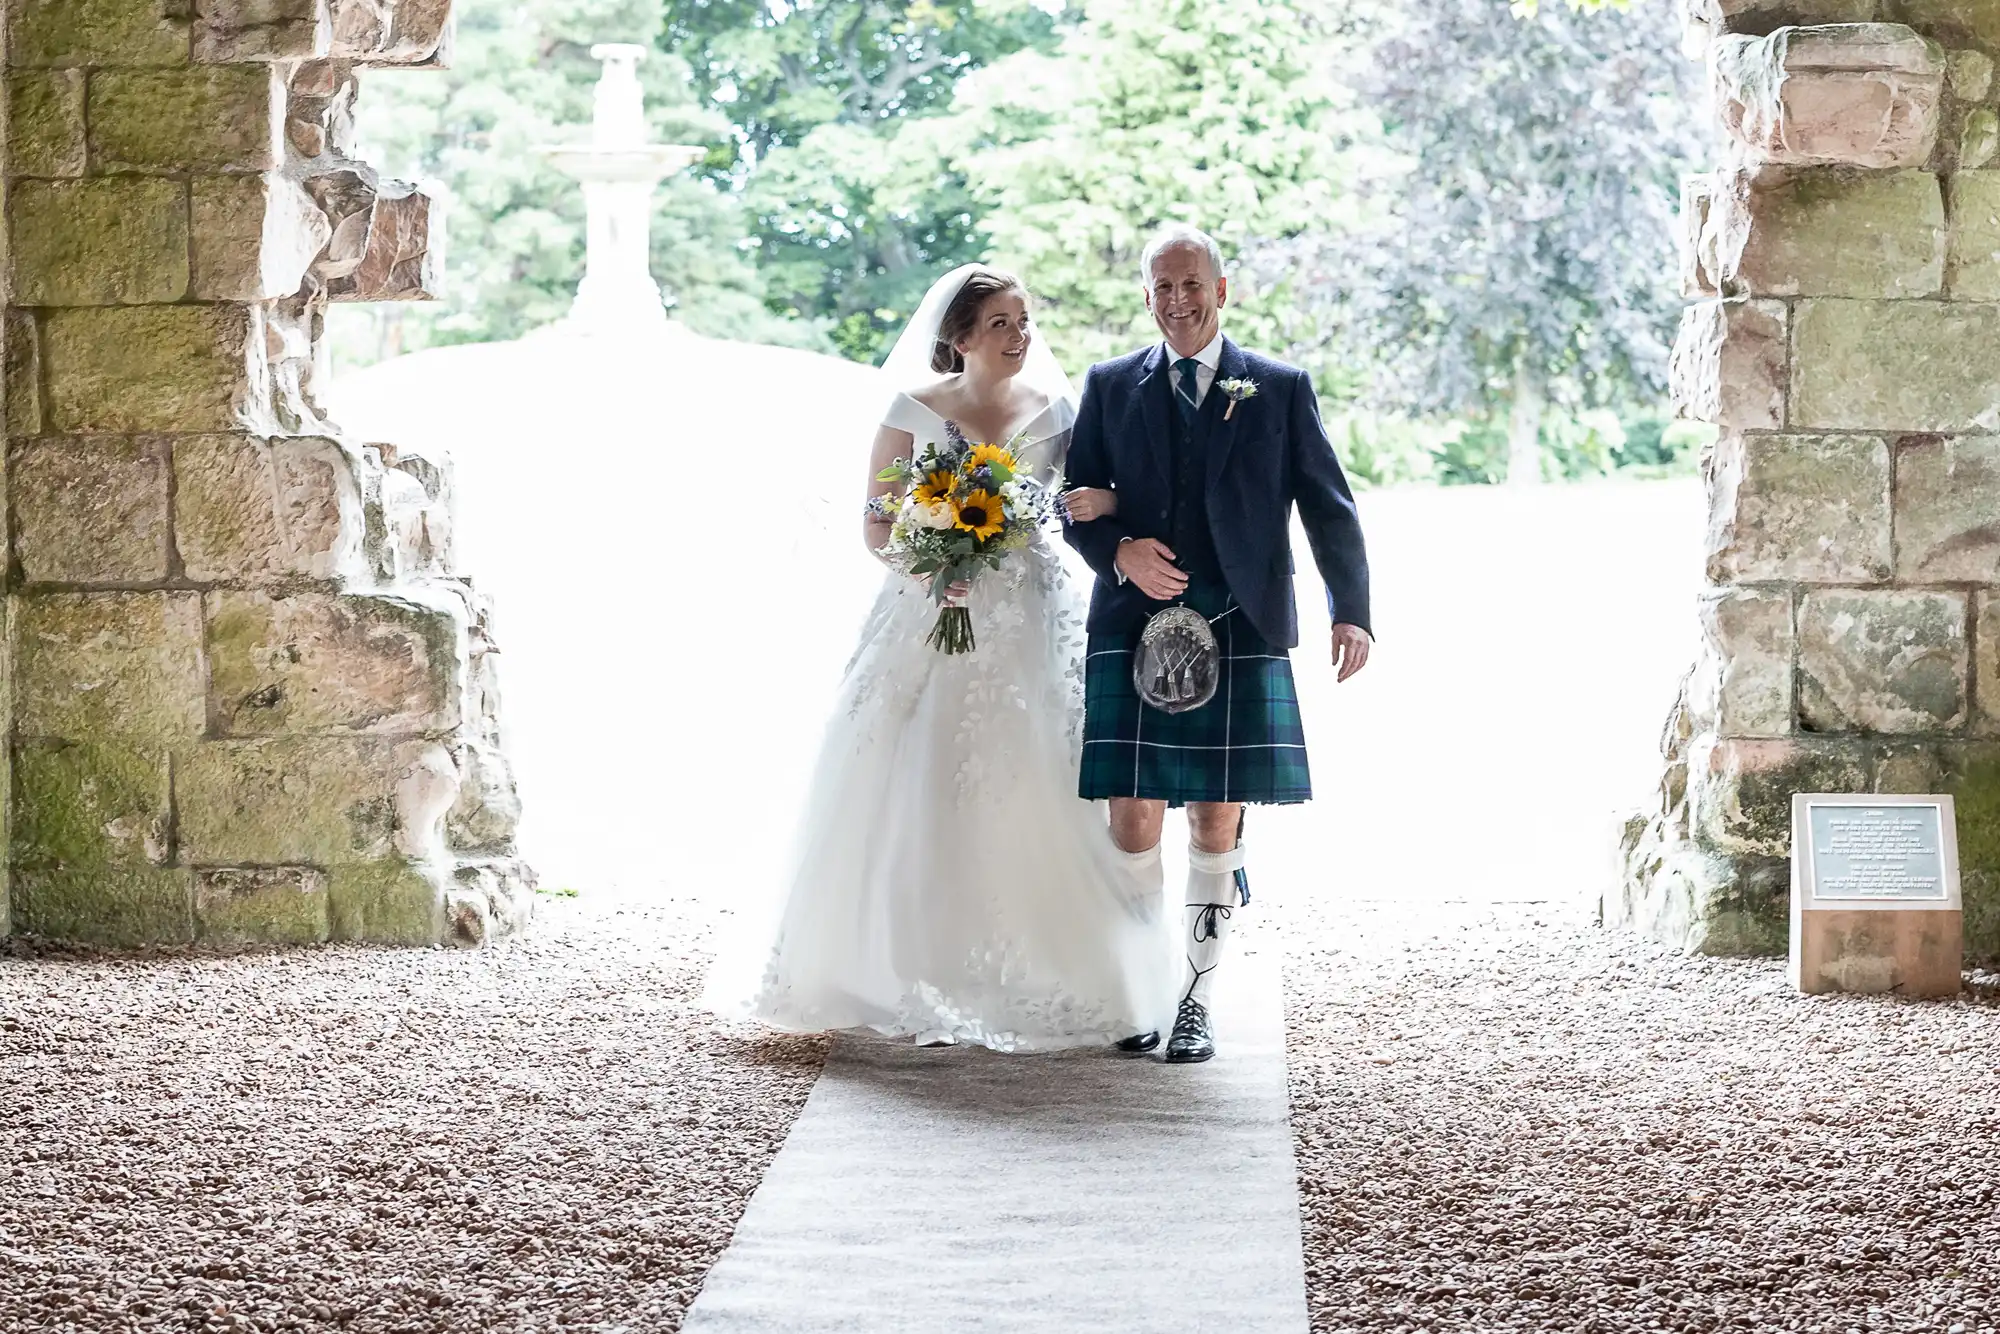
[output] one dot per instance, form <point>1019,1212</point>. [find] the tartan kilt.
<point>1247,744</point>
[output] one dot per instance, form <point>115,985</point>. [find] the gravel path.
<point>544,1134</point>
<point>1507,1119</point>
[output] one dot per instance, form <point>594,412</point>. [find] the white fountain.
<point>619,171</point>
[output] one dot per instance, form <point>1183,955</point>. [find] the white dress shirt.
<point>1209,358</point>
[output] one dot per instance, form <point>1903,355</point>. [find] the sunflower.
<point>981,514</point>
<point>936,486</point>
<point>983,455</point>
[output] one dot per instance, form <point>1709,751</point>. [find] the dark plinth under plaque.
<point>1875,902</point>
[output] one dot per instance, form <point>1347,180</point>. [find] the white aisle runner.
<point>934,1191</point>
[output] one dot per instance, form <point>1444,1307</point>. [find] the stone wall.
<point>1845,337</point>
<point>248,699</point>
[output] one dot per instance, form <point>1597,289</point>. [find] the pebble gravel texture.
<point>1507,1119</point>
<point>542,1135</point>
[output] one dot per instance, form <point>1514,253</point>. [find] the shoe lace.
<point>1192,1014</point>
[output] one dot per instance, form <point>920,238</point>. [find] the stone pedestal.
<point>1844,267</point>
<point>246,696</point>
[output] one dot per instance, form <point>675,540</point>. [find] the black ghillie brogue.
<point>1138,1044</point>
<point>1191,1040</point>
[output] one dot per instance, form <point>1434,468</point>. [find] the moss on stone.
<point>1973,779</point>
<point>45,123</point>
<point>95,32</point>
<point>84,805</point>
<point>149,368</point>
<point>214,118</point>
<point>309,800</point>
<point>287,905</point>
<point>124,906</point>
<point>387,902</point>
<point>108,665</point>
<point>109,242</point>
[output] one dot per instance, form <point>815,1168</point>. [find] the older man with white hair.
<point>1189,698</point>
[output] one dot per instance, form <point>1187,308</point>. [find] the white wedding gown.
<point>945,875</point>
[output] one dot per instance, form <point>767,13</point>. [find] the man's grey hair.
<point>1175,236</point>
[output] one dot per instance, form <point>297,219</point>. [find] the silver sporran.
<point>1177,664</point>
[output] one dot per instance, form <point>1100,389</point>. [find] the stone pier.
<point>248,697</point>
<point>1844,265</point>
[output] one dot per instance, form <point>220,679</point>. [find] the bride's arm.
<point>890,445</point>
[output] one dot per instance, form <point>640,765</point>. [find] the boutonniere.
<point>1236,391</point>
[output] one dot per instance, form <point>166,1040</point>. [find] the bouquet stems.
<point>953,631</point>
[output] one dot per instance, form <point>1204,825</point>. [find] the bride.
<point>946,883</point>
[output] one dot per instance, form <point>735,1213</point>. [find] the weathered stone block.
<point>211,118</point>
<point>1745,676</point>
<point>318,662</point>
<point>1860,94</point>
<point>382,247</point>
<point>1948,509</point>
<point>90,509</point>
<point>1882,661</point>
<point>1781,232</point>
<point>79,805</point>
<point>1973,22</point>
<point>45,123</point>
<point>488,900</point>
<point>1972,776</point>
<point>1908,766</point>
<point>254,237</point>
<point>117,241</point>
<point>321,800</point>
<point>488,811</point>
<point>1969,74</point>
<point>1697,197</point>
<point>1973,264</point>
<point>108,665</point>
<point>1729,364</point>
<point>282,905</point>
<point>390,902</point>
<point>116,906</point>
<point>24,374</point>
<point>252,509</point>
<point>227,31</point>
<point>94,32</point>
<point>154,368</point>
<point>1799,507</point>
<point>412,32</point>
<point>1742,789</point>
<point>1978,137</point>
<point>1986,661</point>
<point>1895,365</point>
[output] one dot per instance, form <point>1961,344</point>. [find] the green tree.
<point>521,80</point>
<point>1522,256</point>
<point>854,210</point>
<point>1153,111</point>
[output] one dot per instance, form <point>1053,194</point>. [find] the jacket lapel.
<point>1155,386</point>
<point>1221,426</point>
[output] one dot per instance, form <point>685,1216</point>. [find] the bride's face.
<point>998,343</point>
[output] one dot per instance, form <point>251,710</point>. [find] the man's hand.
<point>1350,650</point>
<point>1149,564</point>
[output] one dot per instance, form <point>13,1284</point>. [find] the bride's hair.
<point>963,313</point>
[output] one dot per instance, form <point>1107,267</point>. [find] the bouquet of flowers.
<point>964,508</point>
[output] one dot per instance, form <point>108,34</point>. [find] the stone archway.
<point>1847,341</point>
<point>248,696</point>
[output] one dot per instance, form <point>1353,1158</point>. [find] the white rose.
<point>938,515</point>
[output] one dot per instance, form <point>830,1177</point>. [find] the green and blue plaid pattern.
<point>1247,744</point>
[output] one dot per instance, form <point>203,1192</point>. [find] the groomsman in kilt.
<point>1209,448</point>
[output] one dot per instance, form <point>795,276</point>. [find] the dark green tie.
<point>1188,395</point>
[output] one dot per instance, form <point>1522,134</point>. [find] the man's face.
<point>1186,298</point>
